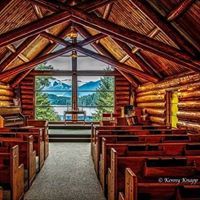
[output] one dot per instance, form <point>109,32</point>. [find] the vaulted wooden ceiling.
<point>146,40</point>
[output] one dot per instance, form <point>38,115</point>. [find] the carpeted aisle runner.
<point>68,174</point>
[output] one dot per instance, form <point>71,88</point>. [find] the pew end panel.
<point>1,193</point>
<point>12,172</point>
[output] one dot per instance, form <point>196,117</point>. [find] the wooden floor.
<point>68,174</point>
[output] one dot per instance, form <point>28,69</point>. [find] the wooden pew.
<point>1,193</point>
<point>12,172</point>
<point>94,141</point>
<point>96,144</point>
<point>186,165</point>
<point>138,149</point>
<point>94,129</point>
<point>138,190</point>
<point>43,124</point>
<point>188,192</point>
<point>27,155</point>
<point>38,143</point>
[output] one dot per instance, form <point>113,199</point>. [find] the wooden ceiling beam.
<point>55,39</point>
<point>101,49</point>
<point>179,9</point>
<point>107,11</point>
<point>92,39</point>
<point>20,56</point>
<point>56,6</point>
<point>34,62</point>
<point>38,11</point>
<point>19,50</point>
<point>40,25</point>
<point>121,66</point>
<point>145,67</point>
<point>47,50</point>
<point>159,21</point>
<point>134,38</point>
<point>33,28</point>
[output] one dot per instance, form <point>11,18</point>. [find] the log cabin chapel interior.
<point>100,99</point>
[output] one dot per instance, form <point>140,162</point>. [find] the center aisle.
<point>68,174</point>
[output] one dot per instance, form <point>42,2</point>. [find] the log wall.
<point>122,93</point>
<point>6,95</point>
<point>153,98</point>
<point>27,88</point>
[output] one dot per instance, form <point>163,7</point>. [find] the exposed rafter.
<point>33,28</point>
<point>47,50</point>
<point>145,67</point>
<point>132,37</point>
<point>179,10</point>
<point>30,65</point>
<point>164,25</point>
<point>21,55</point>
<point>139,40</point>
<point>107,11</point>
<point>101,49</point>
<point>19,50</point>
<point>118,65</point>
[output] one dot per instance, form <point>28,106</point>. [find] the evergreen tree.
<point>105,97</point>
<point>47,112</point>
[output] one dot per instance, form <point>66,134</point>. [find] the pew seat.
<point>12,172</point>
<point>27,155</point>
<point>161,190</point>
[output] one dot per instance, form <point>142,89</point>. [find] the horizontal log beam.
<point>121,66</point>
<point>165,26</point>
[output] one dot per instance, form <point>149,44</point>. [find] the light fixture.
<point>74,54</point>
<point>72,34</point>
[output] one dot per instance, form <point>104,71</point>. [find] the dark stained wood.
<point>100,48</point>
<point>118,65</point>
<point>137,59</point>
<point>166,27</point>
<point>180,9</point>
<point>34,62</point>
<point>132,37</point>
<point>19,50</point>
<point>139,40</point>
<point>33,28</point>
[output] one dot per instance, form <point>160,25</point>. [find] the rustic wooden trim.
<point>121,66</point>
<point>129,36</point>
<point>179,9</point>
<point>30,65</point>
<point>165,26</point>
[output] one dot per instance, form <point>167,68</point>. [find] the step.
<point>69,135</point>
<point>88,127</point>
<point>69,139</point>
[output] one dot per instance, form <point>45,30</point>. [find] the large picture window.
<point>54,96</point>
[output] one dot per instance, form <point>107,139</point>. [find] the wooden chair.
<point>12,172</point>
